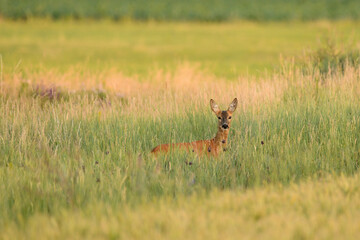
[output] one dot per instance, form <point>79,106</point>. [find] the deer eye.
<point>229,117</point>
<point>219,118</point>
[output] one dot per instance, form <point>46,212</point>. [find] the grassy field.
<point>226,50</point>
<point>326,209</point>
<point>75,140</point>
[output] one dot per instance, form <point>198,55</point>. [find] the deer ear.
<point>233,105</point>
<point>214,107</point>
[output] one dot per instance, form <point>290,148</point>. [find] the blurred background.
<point>227,38</point>
<point>186,10</point>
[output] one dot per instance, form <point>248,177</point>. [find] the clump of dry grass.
<point>170,92</point>
<point>186,86</point>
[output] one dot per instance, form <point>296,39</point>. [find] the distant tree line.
<point>182,10</point>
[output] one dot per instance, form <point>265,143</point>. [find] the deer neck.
<point>221,136</point>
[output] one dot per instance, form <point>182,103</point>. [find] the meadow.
<point>76,136</point>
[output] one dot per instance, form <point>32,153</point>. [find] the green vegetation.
<point>326,209</point>
<point>226,50</point>
<point>90,151</point>
<point>75,143</point>
<point>329,59</point>
<point>185,10</point>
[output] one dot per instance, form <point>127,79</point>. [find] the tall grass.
<point>72,153</point>
<point>326,209</point>
<point>331,58</point>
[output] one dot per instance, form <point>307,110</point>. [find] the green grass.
<point>226,50</point>
<point>326,209</point>
<point>67,156</point>
<point>75,158</point>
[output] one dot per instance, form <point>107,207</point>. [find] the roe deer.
<point>213,146</point>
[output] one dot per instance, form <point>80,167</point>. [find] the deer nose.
<point>225,126</point>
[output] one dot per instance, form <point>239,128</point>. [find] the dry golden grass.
<point>161,91</point>
<point>174,92</point>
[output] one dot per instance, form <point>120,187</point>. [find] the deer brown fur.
<point>213,146</point>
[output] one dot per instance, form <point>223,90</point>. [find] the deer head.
<point>224,117</point>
